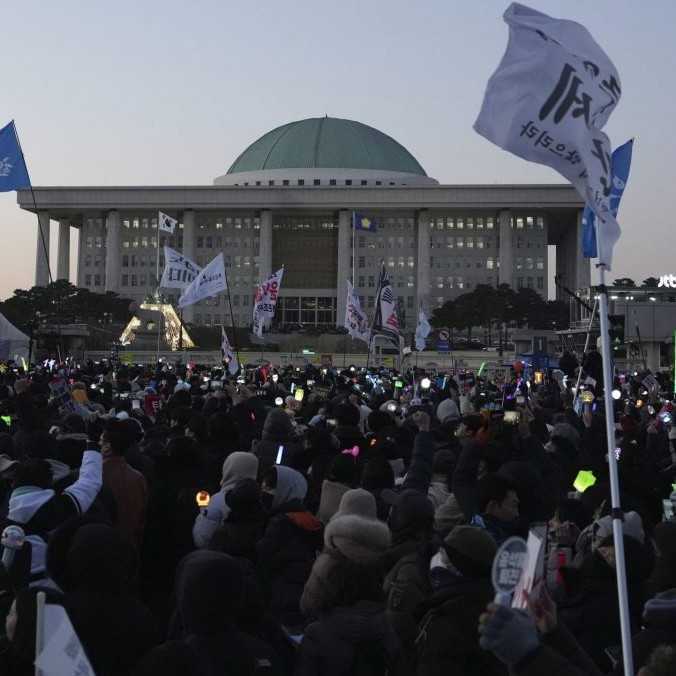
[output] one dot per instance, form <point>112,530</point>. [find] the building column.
<point>265,245</point>
<point>572,268</point>
<point>344,260</point>
<point>506,253</point>
<point>113,251</point>
<point>63,262</point>
<point>422,282</point>
<point>42,256</point>
<point>189,251</point>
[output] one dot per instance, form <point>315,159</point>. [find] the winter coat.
<point>355,641</point>
<point>288,548</point>
<point>210,593</point>
<point>332,492</point>
<point>448,641</point>
<point>130,491</point>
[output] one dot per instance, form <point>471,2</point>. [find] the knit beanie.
<point>447,411</point>
<point>471,550</point>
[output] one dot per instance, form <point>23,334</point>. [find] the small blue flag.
<point>13,172</point>
<point>361,222</point>
<point>621,162</point>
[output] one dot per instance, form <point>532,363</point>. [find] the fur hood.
<point>357,538</point>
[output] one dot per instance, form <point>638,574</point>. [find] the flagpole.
<point>586,345</point>
<point>375,314</point>
<point>157,290</point>
<point>616,512</point>
<point>45,248</point>
<point>235,344</point>
<point>39,627</point>
<point>354,260</point>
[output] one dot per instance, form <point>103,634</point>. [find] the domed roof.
<point>326,143</point>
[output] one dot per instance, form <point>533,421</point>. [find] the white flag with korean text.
<point>166,223</point>
<point>356,321</point>
<point>62,653</point>
<point>265,301</point>
<point>179,271</point>
<point>228,353</point>
<point>548,101</point>
<point>209,282</point>
<point>422,330</point>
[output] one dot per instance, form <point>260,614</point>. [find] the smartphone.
<point>587,397</point>
<point>280,455</point>
<point>135,404</point>
<point>299,394</point>
<point>512,417</point>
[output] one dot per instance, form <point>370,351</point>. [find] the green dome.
<point>326,143</point>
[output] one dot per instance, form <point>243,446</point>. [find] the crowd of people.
<point>333,522</point>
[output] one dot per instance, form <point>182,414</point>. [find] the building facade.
<point>288,201</point>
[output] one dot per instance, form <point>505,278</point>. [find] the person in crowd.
<point>498,508</point>
<point>237,466</point>
<point>342,475</point>
<point>128,487</point>
<point>278,439</point>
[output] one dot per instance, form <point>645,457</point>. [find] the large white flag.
<point>62,653</point>
<point>356,321</point>
<point>166,223</point>
<point>209,282</point>
<point>422,330</point>
<point>265,301</point>
<point>228,353</point>
<point>548,101</point>
<point>179,271</point>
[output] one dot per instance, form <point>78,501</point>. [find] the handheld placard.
<point>508,566</point>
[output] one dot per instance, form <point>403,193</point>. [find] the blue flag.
<point>13,172</point>
<point>621,162</point>
<point>361,222</point>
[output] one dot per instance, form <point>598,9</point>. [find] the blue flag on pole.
<point>361,222</point>
<point>621,162</point>
<point>13,172</point>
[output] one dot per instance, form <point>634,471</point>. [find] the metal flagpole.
<point>157,289</point>
<point>232,318</point>
<point>617,513</point>
<point>375,313</point>
<point>586,346</point>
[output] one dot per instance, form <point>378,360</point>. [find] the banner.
<point>386,322</point>
<point>228,353</point>
<point>356,321</point>
<point>548,101</point>
<point>265,301</point>
<point>209,282</point>
<point>179,271</point>
<point>422,330</point>
<point>620,163</point>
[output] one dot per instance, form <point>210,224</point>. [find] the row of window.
<point>390,261</point>
<point>316,182</point>
<point>386,243</point>
<point>456,282</point>
<point>219,242</point>
<point>397,281</point>
<point>461,242</point>
<point>369,301</point>
<point>445,263</point>
<point>529,263</point>
<point>539,282</point>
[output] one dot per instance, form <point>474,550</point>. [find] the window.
<point>409,302</point>
<point>459,242</point>
<point>97,261</point>
<point>99,243</point>
<point>540,263</point>
<point>410,283</point>
<point>479,223</point>
<point>134,280</point>
<point>88,261</point>
<point>519,223</point>
<point>144,241</point>
<point>332,181</point>
<point>271,182</point>
<point>529,222</point>
<point>540,283</point>
<point>459,223</point>
<point>316,182</point>
<point>348,182</point>
<point>530,282</point>
<point>372,281</point>
<point>449,242</point>
<point>470,224</point>
<point>125,280</point>
<point>97,280</point>
<point>200,242</point>
<point>235,300</point>
<point>88,280</point>
<point>361,281</point>
<point>285,181</point>
<point>489,223</point>
<point>440,282</point>
<point>540,222</point>
<point>519,282</point>
<point>490,263</point>
<point>364,182</point>
<point>135,224</point>
<point>529,263</point>
<point>519,263</point>
<point>142,279</point>
<point>479,242</point>
<point>90,242</point>
<point>362,262</point>
<point>470,242</point>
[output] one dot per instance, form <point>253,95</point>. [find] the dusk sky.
<point>169,93</point>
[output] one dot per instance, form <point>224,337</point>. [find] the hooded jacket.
<point>209,596</point>
<point>277,431</point>
<point>43,510</point>
<point>348,642</point>
<point>349,566</point>
<point>237,466</point>
<point>288,547</point>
